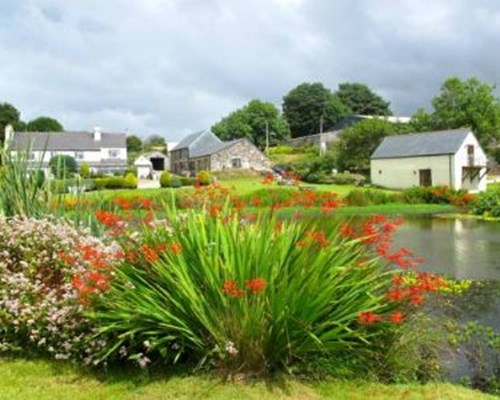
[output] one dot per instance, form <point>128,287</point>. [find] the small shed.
<point>452,158</point>
<point>144,167</point>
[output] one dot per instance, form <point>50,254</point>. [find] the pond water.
<point>458,248</point>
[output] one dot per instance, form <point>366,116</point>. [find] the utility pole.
<point>321,124</point>
<point>267,138</point>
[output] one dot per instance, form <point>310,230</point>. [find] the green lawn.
<point>43,380</point>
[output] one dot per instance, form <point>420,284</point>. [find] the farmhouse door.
<point>425,177</point>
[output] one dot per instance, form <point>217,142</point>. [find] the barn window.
<point>236,163</point>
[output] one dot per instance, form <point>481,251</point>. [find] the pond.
<point>458,248</point>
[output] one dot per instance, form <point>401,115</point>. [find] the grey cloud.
<point>171,66</point>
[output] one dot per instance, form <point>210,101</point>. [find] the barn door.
<point>425,177</point>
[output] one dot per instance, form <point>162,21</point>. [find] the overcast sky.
<point>174,66</point>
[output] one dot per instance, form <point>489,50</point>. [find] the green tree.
<point>63,166</point>
<point>464,103</point>
<point>85,170</point>
<point>155,142</point>
<point>422,121</point>
<point>250,122</point>
<point>8,115</point>
<point>44,124</point>
<point>362,100</point>
<point>134,144</point>
<point>309,105</point>
<point>357,143</point>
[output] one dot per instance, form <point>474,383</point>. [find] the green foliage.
<point>22,192</point>
<point>357,143</point>
<point>44,124</point>
<point>464,103</point>
<point>187,181</point>
<point>360,99</point>
<point>361,197</point>
<point>155,142</point>
<point>194,302</point>
<point>165,179</point>
<point>437,195</point>
<point>131,180</point>
<point>204,178</point>
<point>305,106</point>
<point>134,144</point>
<point>347,178</point>
<point>487,204</point>
<point>85,170</point>
<point>315,169</point>
<point>63,166</point>
<point>116,182</point>
<point>8,115</point>
<point>250,122</point>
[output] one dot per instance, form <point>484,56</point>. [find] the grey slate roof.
<point>421,144</point>
<point>202,143</point>
<point>69,141</point>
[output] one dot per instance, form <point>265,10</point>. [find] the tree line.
<point>311,107</point>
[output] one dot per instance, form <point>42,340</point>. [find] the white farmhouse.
<point>453,158</point>
<point>103,152</point>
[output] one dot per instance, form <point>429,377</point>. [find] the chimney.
<point>9,133</point>
<point>97,133</point>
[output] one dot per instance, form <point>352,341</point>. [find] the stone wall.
<point>328,138</point>
<point>243,154</point>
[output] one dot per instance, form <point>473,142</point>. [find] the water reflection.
<point>463,249</point>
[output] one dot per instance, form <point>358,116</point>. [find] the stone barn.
<point>205,151</point>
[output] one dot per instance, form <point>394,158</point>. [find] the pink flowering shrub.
<point>41,308</point>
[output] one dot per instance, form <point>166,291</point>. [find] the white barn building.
<point>103,152</point>
<point>452,158</point>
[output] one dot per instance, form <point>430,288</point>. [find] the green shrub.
<point>244,297</point>
<point>131,180</point>
<point>63,166</point>
<point>187,181</point>
<point>347,178</point>
<point>204,178</point>
<point>165,179</point>
<point>114,182</point>
<point>487,204</point>
<point>361,197</point>
<point>437,195</point>
<point>85,170</point>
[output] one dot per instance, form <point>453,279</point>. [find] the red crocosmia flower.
<point>176,248</point>
<point>397,318</point>
<point>347,231</point>
<point>396,294</point>
<point>256,201</point>
<point>149,253</point>
<point>397,280</point>
<point>146,204</point>
<point>230,288</point>
<point>108,218</point>
<point>417,299</point>
<point>268,179</point>
<point>256,285</point>
<point>300,243</point>
<point>368,318</point>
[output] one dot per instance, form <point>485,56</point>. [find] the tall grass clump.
<point>244,293</point>
<point>23,188</point>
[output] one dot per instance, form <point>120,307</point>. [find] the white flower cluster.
<point>39,308</point>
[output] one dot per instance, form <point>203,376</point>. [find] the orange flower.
<point>150,254</point>
<point>256,285</point>
<point>368,318</point>
<point>397,318</point>
<point>176,248</point>
<point>230,288</point>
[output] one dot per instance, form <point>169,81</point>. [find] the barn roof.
<point>421,144</point>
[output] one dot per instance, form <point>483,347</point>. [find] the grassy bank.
<point>42,380</point>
